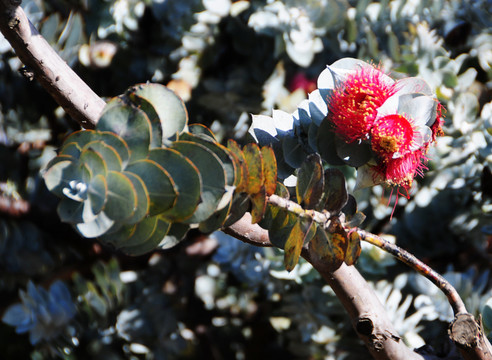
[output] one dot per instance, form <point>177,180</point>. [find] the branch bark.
<point>57,78</point>
<point>84,106</point>
<point>366,312</point>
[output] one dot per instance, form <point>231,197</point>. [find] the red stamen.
<point>353,105</point>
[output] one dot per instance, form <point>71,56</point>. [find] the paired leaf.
<point>72,149</point>
<point>175,234</point>
<point>129,123</point>
<point>152,241</point>
<point>160,186</point>
<point>95,228</point>
<point>293,246</point>
<point>302,232</point>
<point>310,182</point>
<point>98,193</point>
<point>122,197</point>
<point>222,153</point>
<point>67,178</point>
<point>142,195</point>
<point>212,174</point>
<point>269,170</point>
<point>243,175</point>
<point>169,108</point>
<point>94,162</point>
<point>254,163</point>
<point>187,182</point>
<point>353,248</point>
<point>335,194</point>
<point>321,250</point>
<point>258,205</point>
<point>199,129</point>
<point>110,156</point>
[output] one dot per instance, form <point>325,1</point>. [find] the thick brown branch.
<point>68,90</point>
<point>366,312</point>
<point>469,337</point>
<point>250,233</point>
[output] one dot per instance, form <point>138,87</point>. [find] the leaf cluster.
<point>320,222</point>
<point>143,177</point>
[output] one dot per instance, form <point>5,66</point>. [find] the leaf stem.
<point>293,207</point>
<point>453,297</point>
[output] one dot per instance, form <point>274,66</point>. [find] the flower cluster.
<point>360,117</point>
<point>398,119</point>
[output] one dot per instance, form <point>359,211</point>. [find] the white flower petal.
<point>326,80</point>
<point>347,65</point>
<point>350,64</point>
<point>390,106</point>
<point>366,177</point>
<point>412,85</point>
<point>422,136</point>
<point>421,109</point>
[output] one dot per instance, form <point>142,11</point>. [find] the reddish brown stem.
<point>453,297</point>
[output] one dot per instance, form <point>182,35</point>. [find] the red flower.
<point>401,171</point>
<point>354,102</point>
<point>400,154</point>
<point>392,136</point>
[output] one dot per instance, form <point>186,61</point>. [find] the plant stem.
<point>403,255</point>
<point>453,297</point>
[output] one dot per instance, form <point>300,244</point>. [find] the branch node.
<point>364,326</point>
<point>13,22</point>
<point>465,331</point>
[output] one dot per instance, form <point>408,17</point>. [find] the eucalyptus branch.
<point>404,256</point>
<point>465,331</point>
<point>293,207</point>
<point>367,314</point>
<point>322,218</point>
<point>43,64</point>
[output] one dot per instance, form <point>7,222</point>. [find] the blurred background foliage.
<point>213,297</point>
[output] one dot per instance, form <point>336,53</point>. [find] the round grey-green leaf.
<point>97,193</point>
<point>94,162</point>
<point>150,243</point>
<point>110,156</point>
<point>67,178</point>
<point>143,201</point>
<point>222,153</point>
<point>97,227</point>
<point>159,183</point>
<point>187,181</point>
<point>212,175</point>
<point>117,143</point>
<point>168,106</point>
<point>130,123</point>
<point>122,197</point>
